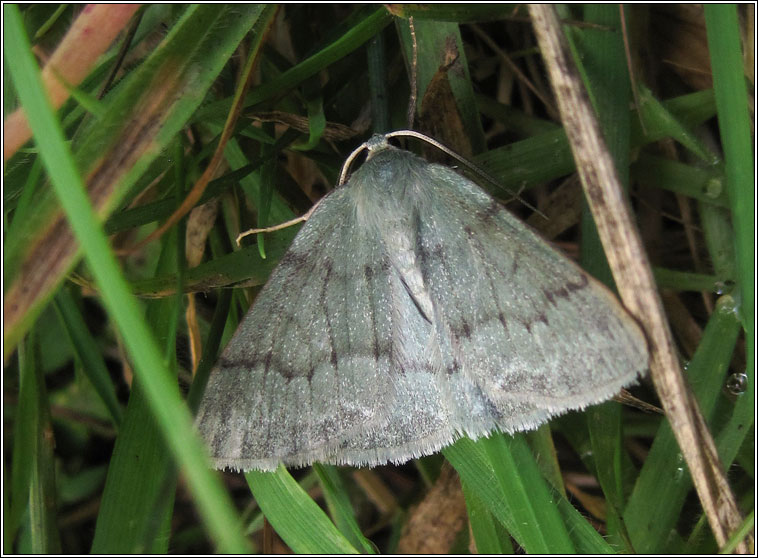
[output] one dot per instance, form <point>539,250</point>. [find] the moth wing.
<point>316,368</point>
<point>532,334</point>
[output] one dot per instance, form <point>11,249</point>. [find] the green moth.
<point>411,309</point>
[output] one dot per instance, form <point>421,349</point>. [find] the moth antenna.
<point>474,167</point>
<point>280,226</point>
<point>305,216</point>
<point>349,161</point>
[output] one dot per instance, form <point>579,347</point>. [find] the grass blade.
<point>489,534</point>
<point>338,502</point>
<point>88,353</point>
<point>723,30</point>
<point>295,516</point>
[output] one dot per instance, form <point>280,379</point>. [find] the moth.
<point>411,309</point>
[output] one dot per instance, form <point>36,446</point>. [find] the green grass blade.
<point>23,199</point>
<point>515,120</point>
<point>266,180</point>
<point>719,240</point>
<point>88,353</point>
<point>243,267</point>
<point>686,281</point>
<point>528,493</point>
<point>338,502</point>
<point>126,511</point>
<point>295,516</point>
<point>34,478</point>
<point>187,58</point>
<point>477,472</point>
<point>730,87</point>
<point>582,532</point>
<point>163,394</point>
<point>128,517</point>
<point>42,494</point>
<point>376,60</point>
<point>542,445</point>
<point>704,184</point>
<point>489,534</point>
<point>661,121</point>
<point>547,156</point>
<point>24,448</point>
<point>161,209</point>
<point>356,35</point>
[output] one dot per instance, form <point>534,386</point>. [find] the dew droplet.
<point>678,473</point>
<point>723,287</point>
<point>737,383</point>
<point>729,303</point>
<point>713,187</point>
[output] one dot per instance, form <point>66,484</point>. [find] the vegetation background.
<point>243,114</point>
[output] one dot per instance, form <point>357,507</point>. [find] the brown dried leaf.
<point>434,523</point>
<point>439,116</point>
<point>199,225</point>
<point>595,505</point>
<point>562,209</point>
